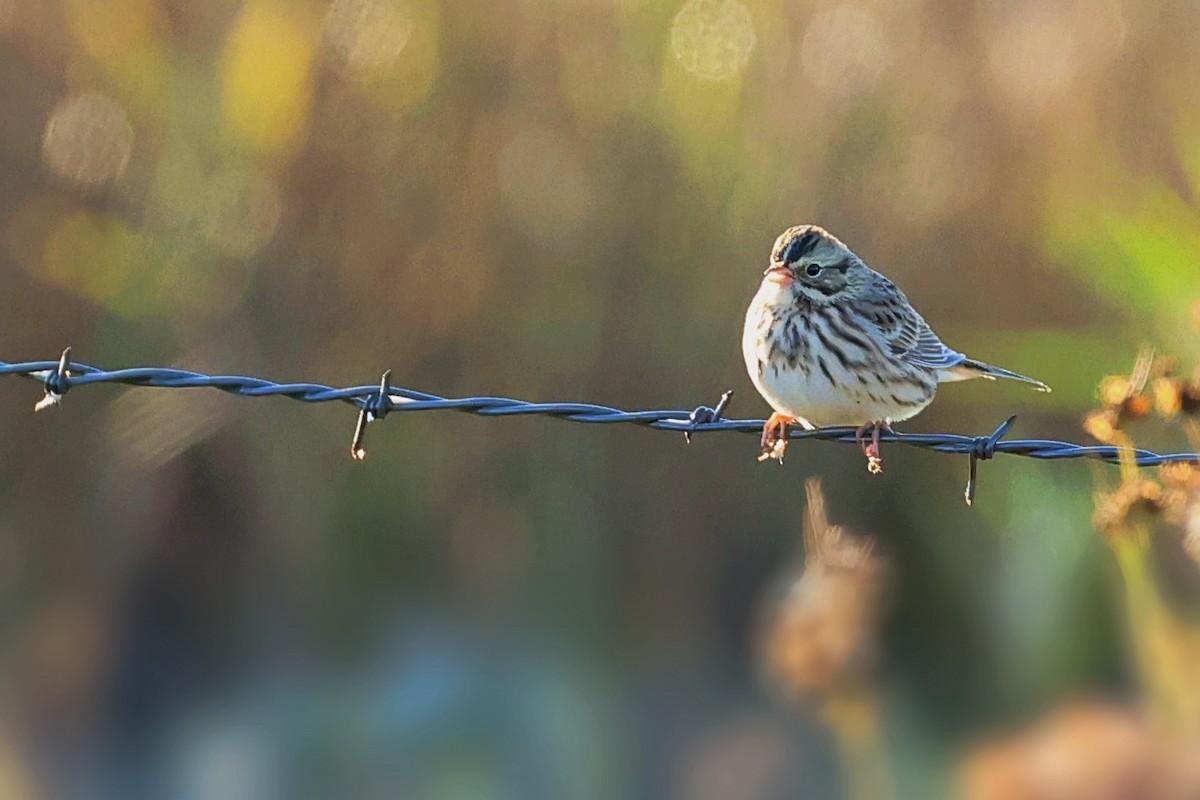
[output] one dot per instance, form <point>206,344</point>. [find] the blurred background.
<point>202,596</point>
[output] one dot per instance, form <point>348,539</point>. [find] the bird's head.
<point>807,261</point>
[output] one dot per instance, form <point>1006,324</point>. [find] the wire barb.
<point>58,382</point>
<point>983,448</point>
<point>374,407</point>
<point>704,414</point>
<point>374,402</point>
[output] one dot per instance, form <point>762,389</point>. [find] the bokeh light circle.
<point>88,139</point>
<point>367,36</point>
<point>713,39</point>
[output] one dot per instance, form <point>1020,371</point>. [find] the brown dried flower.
<point>1191,534</point>
<point>1181,503</point>
<point>1114,509</point>
<point>1122,400</point>
<point>1173,396</point>
<point>821,632</point>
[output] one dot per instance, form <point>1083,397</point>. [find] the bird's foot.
<point>775,437</point>
<point>871,449</point>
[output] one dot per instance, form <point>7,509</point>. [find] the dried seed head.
<point>1102,425</point>
<point>821,633</point>
<point>1180,476</point>
<point>1122,398</point>
<point>1174,395</point>
<point>1114,509</point>
<point>1181,504</point>
<point>1168,396</point>
<point>1115,390</point>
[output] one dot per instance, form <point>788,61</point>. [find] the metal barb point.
<point>374,407</point>
<point>357,451</point>
<point>982,449</point>
<point>703,414</point>
<point>57,383</point>
<point>382,404</point>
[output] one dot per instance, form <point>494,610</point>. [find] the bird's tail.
<point>970,368</point>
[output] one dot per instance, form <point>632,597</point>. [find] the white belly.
<point>813,399</point>
<point>807,392</point>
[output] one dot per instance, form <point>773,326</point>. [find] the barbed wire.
<point>377,401</point>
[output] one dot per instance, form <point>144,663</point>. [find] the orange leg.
<point>775,437</point>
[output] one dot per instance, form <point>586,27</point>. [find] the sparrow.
<point>830,341</point>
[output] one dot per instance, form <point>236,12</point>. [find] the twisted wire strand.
<point>376,401</point>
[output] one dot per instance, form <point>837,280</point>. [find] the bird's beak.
<point>779,274</point>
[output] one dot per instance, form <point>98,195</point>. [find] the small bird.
<point>830,341</point>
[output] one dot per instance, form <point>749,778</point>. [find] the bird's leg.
<point>871,451</point>
<point>775,437</point>
<point>860,433</point>
<point>874,461</point>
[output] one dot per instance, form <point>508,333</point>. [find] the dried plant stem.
<point>1130,545</point>
<point>1166,649</point>
<point>1141,605</point>
<point>853,716</point>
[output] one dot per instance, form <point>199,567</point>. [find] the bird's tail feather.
<point>971,368</point>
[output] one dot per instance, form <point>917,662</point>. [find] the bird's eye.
<point>812,270</point>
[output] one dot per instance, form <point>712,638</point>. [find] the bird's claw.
<point>871,449</point>
<point>775,438</point>
<point>773,450</point>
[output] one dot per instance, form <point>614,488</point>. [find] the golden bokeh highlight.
<point>91,255</point>
<point>265,76</point>
<point>702,81</point>
<point>713,39</point>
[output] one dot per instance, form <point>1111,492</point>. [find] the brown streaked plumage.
<point>830,341</point>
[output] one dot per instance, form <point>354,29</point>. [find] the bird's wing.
<point>905,332</point>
